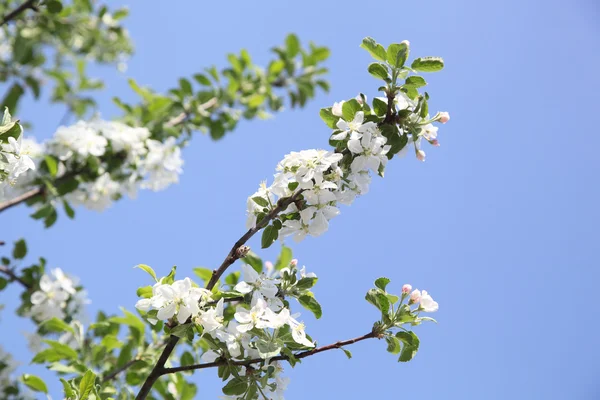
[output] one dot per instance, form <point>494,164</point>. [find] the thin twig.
<point>202,108</point>
<point>116,372</point>
<point>14,277</point>
<point>233,255</point>
<point>20,199</point>
<point>13,14</point>
<point>301,355</point>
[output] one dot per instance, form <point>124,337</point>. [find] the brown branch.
<point>20,199</point>
<point>13,277</point>
<point>301,355</point>
<point>233,255</point>
<point>29,4</point>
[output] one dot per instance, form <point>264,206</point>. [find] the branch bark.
<point>13,277</point>
<point>234,254</point>
<point>20,199</point>
<point>301,355</point>
<point>29,4</point>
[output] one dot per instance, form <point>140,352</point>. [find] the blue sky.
<point>499,224</point>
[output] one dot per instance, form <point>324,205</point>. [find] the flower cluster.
<point>15,158</point>
<point>58,296</point>
<point>259,329</point>
<point>118,159</point>
<point>422,298</point>
<point>326,178</point>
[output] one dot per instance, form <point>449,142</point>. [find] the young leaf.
<point>203,273</point>
<point>310,303</point>
<point>416,81</point>
<point>86,385</point>
<point>378,70</point>
<point>375,49</point>
<point>410,346</point>
<point>20,249</point>
<point>284,259</point>
<point>35,383</point>
<point>393,344</point>
<point>346,352</point>
<point>428,64</point>
<point>56,325</point>
<point>261,201</point>
<point>381,283</point>
<point>397,54</point>
<point>52,164</point>
<point>148,269</point>
<point>269,236</point>
<point>69,392</point>
<point>235,387</point>
<point>349,108</point>
<point>328,117</point>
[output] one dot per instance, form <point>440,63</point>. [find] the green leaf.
<point>169,279</point>
<point>284,259</point>
<point>268,349</point>
<point>306,283</point>
<point>56,352</point>
<point>186,86</point>
<point>416,81</point>
<point>69,392</point>
<point>375,49</point>
<point>12,97</point>
<point>379,300</point>
<point>393,344</point>
<point>254,261</point>
<point>269,236</point>
<point>203,273</point>
<point>350,108</point>
<point>397,54</point>
<point>86,385</point>
<point>35,383</point>
<point>3,283</point>
<point>52,164</point>
<point>410,346</point>
<point>148,269</point>
<point>428,64</point>
<point>346,352</point>
<point>111,342</point>
<point>56,325</point>
<point>261,201</point>
<point>235,387</point>
<point>292,45</point>
<point>202,79</point>
<point>130,319</point>
<point>42,212</point>
<point>20,249</point>
<point>68,209</point>
<point>310,303</point>
<point>378,71</point>
<point>50,219</point>
<point>54,6</point>
<point>379,106</point>
<point>182,331</point>
<point>144,291</point>
<point>381,283</point>
<point>328,117</point>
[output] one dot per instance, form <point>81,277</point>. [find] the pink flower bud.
<point>268,265</point>
<point>434,142</point>
<point>420,155</point>
<point>444,117</point>
<point>360,99</point>
<point>293,263</point>
<point>406,289</point>
<point>415,297</point>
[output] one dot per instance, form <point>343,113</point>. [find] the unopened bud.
<point>434,142</point>
<point>444,117</point>
<point>420,155</point>
<point>242,251</point>
<point>415,297</point>
<point>359,98</point>
<point>268,265</point>
<point>406,289</point>
<point>337,109</point>
<point>294,262</point>
<point>406,42</point>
